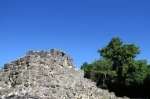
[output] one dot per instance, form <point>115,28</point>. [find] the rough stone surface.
<point>47,75</point>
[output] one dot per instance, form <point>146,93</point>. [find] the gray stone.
<point>47,75</point>
<point>19,79</point>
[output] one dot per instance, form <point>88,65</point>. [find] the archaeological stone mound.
<point>47,75</point>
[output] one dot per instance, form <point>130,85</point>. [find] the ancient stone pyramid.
<point>47,75</point>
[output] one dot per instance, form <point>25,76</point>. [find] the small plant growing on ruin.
<point>41,62</point>
<point>52,86</point>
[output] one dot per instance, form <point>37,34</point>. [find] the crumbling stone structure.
<point>47,75</point>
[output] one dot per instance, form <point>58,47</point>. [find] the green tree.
<point>122,56</point>
<point>102,72</point>
<point>87,69</point>
<point>118,69</point>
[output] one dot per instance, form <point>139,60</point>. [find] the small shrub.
<point>41,62</point>
<point>52,86</point>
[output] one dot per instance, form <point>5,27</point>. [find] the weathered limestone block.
<point>19,79</point>
<point>26,96</point>
<point>47,75</point>
<point>70,61</point>
<point>7,66</point>
<point>56,53</point>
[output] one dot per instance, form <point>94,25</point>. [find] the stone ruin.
<point>47,75</point>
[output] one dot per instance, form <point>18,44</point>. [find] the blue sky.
<point>79,27</point>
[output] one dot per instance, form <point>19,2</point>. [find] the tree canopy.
<point>117,68</point>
